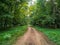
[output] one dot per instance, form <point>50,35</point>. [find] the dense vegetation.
<point>14,14</point>
<point>47,14</point>
<point>52,34</point>
<point>10,36</point>
<point>11,13</point>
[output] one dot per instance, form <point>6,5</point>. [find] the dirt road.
<point>33,37</point>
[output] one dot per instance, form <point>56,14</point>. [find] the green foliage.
<point>47,14</point>
<point>10,36</point>
<point>10,14</point>
<point>52,34</point>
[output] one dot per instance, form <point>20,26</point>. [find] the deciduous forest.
<point>19,16</point>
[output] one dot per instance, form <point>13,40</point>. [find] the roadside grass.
<point>52,34</point>
<point>10,36</point>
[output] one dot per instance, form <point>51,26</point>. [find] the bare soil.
<point>33,37</point>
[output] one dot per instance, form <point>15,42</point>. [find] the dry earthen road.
<point>33,37</point>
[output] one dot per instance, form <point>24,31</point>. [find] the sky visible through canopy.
<point>31,2</point>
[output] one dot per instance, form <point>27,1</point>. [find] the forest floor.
<point>33,37</point>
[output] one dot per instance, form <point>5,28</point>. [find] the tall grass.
<point>9,37</point>
<point>52,34</point>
